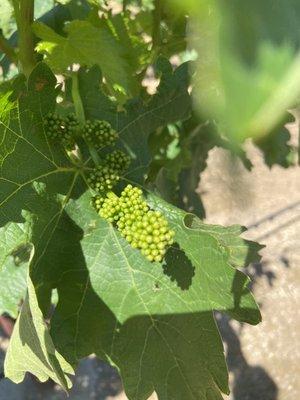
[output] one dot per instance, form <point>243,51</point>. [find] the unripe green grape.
<point>97,202</point>
<point>61,130</point>
<point>118,160</point>
<point>105,176</point>
<point>102,179</point>
<point>110,207</point>
<point>146,232</point>
<point>143,228</point>
<point>70,127</point>
<point>53,125</point>
<point>99,133</point>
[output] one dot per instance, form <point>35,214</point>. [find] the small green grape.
<point>97,202</point>
<point>118,160</point>
<point>99,133</point>
<point>102,179</point>
<point>54,126</point>
<point>143,228</point>
<point>110,208</point>
<point>71,126</point>
<point>61,130</point>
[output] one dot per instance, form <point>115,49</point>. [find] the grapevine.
<point>101,200</point>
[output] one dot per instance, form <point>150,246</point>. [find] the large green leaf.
<point>153,321</point>
<point>28,164</point>
<point>26,155</point>
<point>86,44</point>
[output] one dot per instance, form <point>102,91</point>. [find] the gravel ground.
<point>264,361</point>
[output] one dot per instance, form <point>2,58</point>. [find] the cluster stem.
<point>79,110</point>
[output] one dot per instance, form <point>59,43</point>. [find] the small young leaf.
<point>31,348</point>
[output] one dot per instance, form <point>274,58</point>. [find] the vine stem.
<point>156,36</point>
<point>7,49</point>
<point>125,2</point>
<point>24,14</point>
<point>80,114</point>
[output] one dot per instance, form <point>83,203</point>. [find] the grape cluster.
<point>99,133</point>
<point>102,178</point>
<point>143,228</point>
<point>106,175</point>
<point>117,160</point>
<point>60,129</point>
<point>110,208</point>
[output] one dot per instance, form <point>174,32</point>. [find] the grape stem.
<point>79,110</point>
<point>24,13</point>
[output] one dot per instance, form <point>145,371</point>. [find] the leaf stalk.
<point>79,110</point>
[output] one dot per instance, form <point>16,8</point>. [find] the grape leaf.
<point>13,287</point>
<point>153,321</point>
<point>28,164</point>
<point>26,155</point>
<point>31,348</point>
<point>241,252</point>
<point>142,115</point>
<point>85,44</point>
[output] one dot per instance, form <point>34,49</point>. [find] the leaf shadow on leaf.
<point>21,254</point>
<point>178,267</point>
<point>150,344</point>
<point>83,323</point>
<point>149,348</point>
<point>58,238</point>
